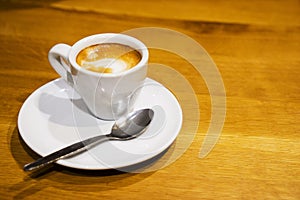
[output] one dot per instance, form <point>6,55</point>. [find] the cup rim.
<point>108,38</point>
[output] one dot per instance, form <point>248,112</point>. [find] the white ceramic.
<point>55,116</point>
<point>106,95</point>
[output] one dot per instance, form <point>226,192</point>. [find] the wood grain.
<point>255,45</point>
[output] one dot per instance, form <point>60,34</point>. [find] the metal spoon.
<point>131,127</point>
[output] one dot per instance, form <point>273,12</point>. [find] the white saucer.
<point>55,116</point>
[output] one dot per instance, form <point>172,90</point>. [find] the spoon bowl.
<point>132,126</point>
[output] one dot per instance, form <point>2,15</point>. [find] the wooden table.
<point>255,45</point>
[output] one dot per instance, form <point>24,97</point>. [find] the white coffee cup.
<point>106,95</point>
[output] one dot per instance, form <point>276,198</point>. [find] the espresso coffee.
<point>108,58</point>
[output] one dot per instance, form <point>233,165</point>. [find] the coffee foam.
<point>108,58</point>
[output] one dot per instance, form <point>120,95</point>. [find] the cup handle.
<point>58,58</point>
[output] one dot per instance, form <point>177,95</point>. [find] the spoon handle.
<point>66,152</point>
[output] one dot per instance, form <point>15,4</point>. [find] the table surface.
<point>254,44</point>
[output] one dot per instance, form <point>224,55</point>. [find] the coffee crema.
<point>108,58</point>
